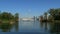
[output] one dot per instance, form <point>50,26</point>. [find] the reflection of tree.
<point>16,26</point>
<point>41,24</point>
<point>45,25</point>
<point>55,28</point>
<point>6,27</point>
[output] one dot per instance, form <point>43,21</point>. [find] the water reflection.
<point>46,28</point>
<point>41,24</point>
<point>6,27</point>
<point>55,28</point>
<point>52,28</point>
<point>16,26</point>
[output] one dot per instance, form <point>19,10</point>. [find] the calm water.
<point>31,26</point>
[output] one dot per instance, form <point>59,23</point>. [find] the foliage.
<point>16,17</point>
<point>54,12</point>
<point>8,16</point>
<point>5,19</point>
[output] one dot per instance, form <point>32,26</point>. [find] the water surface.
<point>31,26</point>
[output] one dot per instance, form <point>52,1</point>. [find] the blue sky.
<point>28,8</point>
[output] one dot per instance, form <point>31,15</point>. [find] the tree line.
<point>5,16</point>
<point>54,14</point>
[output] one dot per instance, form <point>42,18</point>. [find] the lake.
<point>31,26</point>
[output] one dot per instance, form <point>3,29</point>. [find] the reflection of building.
<point>35,18</point>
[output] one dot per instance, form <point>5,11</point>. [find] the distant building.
<point>27,19</point>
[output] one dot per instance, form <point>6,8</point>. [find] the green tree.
<point>16,16</point>
<point>55,13</point>
<point>45,15</point>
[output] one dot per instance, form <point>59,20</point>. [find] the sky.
<point>28,8</point>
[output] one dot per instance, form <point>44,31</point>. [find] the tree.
<point>16,16</point>
<point>55,13</point>
<point>52,12</point>
<point>45,15</point>
<point>6,16</point>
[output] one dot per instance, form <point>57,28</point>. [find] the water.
<point>31,26</point>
